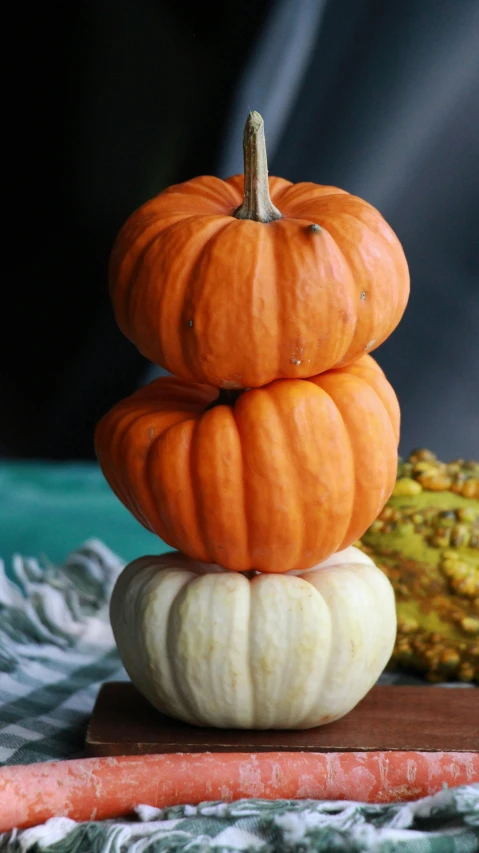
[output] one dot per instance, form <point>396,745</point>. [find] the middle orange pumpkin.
<point>277,480</point>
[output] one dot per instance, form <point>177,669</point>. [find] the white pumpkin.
<point>289,651</point>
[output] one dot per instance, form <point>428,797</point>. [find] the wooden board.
<point>426,719</point>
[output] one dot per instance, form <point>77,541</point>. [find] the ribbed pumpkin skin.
<point>213,648</point>
<point>237,303</point>
<point>291,474</point>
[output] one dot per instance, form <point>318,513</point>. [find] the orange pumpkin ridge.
<point>311,279</point>
<point>278,479</point>
<point>240,282</point>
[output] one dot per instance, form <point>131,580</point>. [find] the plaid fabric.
<point>56,649</point>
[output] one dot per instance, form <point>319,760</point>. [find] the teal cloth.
<point>48,508</point>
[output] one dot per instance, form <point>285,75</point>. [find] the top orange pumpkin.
<point>288,282</point>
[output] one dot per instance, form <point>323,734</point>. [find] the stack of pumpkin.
<point>265,456</point>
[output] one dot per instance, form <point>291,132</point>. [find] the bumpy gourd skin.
<point>426,540</point>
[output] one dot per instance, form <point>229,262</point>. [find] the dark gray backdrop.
<point>379,98</point>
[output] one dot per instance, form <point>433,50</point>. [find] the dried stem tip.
<point>257,204</point>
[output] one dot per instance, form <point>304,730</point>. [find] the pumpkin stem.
<point>257,204</point>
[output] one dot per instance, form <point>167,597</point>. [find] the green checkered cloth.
<point>56,649</point>
<point>445,823</point>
